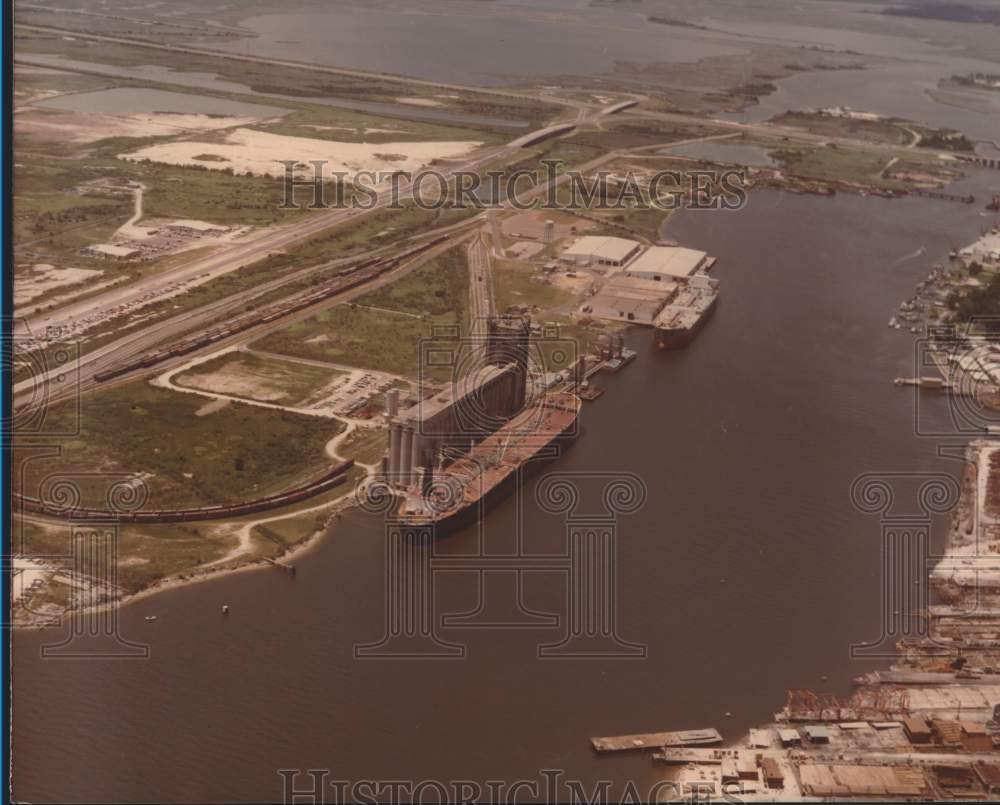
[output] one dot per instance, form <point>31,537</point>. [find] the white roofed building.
<point>596,250</point>
<point>667,262</point>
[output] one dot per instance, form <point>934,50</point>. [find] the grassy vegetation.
<point>365,445</point>
<point>273,538</point>
<point>346,240</point>
<point>255,377</point>
<point>519,283</point>
<point>979,304</point>
<point>638,135</point>
<point>837,164</point>
<point>887,131</point>
<point>51,221</point>
<point>235,453</point>
<point>146,553</point>
<point>149,553</point>
<point>54,221</point>
<point>357,335</point>
<point>438,288</point>
<point>298,82</point>
<point>344,125</point>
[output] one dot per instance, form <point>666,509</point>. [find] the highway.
<point>233,255</point>
<point>35,392</point>
<point>226,258</point>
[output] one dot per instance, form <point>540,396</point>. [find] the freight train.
<point>323,483</point>
<point>346,280</point>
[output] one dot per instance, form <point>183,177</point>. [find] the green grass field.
<point>236,453</point>
<point>518,283</point>
<point>365,445</point>
<point>254,377</point>
<point>836,164</point>
<point>383,330</point>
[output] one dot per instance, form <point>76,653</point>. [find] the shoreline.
<point>203,573</point>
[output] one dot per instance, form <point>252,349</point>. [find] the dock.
<point>590,393</point>
<point>924,382</point>
<point>657,740</point>
<point>970,199</point>
<point>681,756</point>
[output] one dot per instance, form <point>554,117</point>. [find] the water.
<point>507,43</point>
<point>899,82</point>
<point>893,90</point>
<point>129,101</point>
<point>211,82</point>
<point>496,47</point>
<point>747,572</point>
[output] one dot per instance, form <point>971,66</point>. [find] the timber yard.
<point>266,391</point>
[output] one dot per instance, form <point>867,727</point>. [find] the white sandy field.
<point>261,152</point>
<point>419,102</point>
<point>43,277</point>
<point>79,127</point>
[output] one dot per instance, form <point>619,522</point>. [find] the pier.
<point>970,199</point>
<point>657,740</point>
<point>283,565</point>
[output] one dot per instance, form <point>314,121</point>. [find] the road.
<point>39,390</point>
<point>482,304</point>
<point>228,257</point>
<point>584,111</point>
<point>233,255</point>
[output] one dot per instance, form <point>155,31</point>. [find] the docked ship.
<point>466,489</point>
<point>681,320</point>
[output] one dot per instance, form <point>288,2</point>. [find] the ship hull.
<point>469,514</point>
<point>680,337</point>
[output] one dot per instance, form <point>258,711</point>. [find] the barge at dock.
<point>657,740</point>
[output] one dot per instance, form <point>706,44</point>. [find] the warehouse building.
<point>659,263</point>
<point>593,250</point>
<point>632,300</point>
<point>110,251</point>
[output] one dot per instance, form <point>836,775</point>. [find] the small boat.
<point>151,617</point>
<point>225,609</point>
<point>892,322</point>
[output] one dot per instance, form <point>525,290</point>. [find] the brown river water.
<point>746,572</point>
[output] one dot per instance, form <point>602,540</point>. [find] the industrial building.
<point>631,299</point>
<point>469,410</point>
<point>607,252</point>
<point>112,252</point>
<point>660,263</point>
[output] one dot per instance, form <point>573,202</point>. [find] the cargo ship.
<point>680,321</point>
<point>466,489</point>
